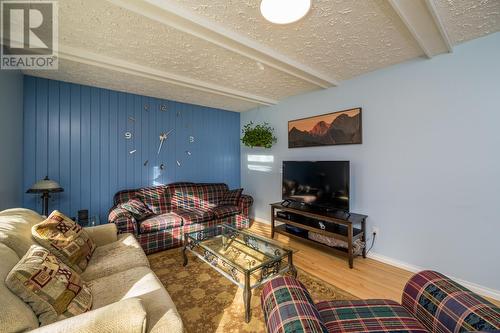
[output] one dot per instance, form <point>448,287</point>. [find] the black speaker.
<point>83,217</point>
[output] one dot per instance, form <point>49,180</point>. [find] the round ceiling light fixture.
<point>284,11</point>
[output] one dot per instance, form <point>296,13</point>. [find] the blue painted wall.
<point>11,138</point>
<point>75,135</point>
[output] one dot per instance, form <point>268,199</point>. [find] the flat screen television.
<point>320,184</point>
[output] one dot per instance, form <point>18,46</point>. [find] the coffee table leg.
<point>185,255</point>
<point>247,296</point>
<point>293,270</point>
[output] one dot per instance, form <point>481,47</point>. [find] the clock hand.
<point>168,133</point>
<point>163,137</point>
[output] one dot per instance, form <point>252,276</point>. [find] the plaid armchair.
<point>177,208</point>
<point>431,302</point>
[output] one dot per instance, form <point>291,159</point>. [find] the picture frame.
<point>330,129</point>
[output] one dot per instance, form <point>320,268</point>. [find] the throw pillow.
<point>66,239</point>
<point>52,289</point>
<point>231,198</point>
<point>137,208</point>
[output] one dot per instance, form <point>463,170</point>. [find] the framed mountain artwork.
<point>337,128</point>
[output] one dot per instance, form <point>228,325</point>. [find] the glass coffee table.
<point>244,258</point>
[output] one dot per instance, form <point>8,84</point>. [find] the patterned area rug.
<point>208,302</point>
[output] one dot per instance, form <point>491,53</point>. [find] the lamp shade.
<point>45,185</point>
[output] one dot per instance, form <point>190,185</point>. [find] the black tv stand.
<point>348,227</point>
<point>338,213</point>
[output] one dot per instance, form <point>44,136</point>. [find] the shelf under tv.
<point>340,229</point>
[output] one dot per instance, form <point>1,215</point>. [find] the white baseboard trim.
<point>481,290</point>
<point>395,262</point>
<point>258,219</point>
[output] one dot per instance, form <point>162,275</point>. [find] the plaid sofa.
<point>178,208</point>
<point>431,302</point>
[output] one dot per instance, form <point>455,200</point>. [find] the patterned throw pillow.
<point>137,208</point>
<point>155,199</point>
<point>52,289</point>
<point>231,198</point>
<point>66,239</point>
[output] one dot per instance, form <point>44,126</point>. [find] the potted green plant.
<point>261,135</point>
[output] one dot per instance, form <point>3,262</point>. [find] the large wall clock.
<point>162,137</point>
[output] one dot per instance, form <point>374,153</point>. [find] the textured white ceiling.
<point>119,33</point>
<point>70,71</point>
<point>338,39</point>
<point>469,19</point>
<point>341,38</point>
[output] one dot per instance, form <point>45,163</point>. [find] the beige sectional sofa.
<point>127,296</point>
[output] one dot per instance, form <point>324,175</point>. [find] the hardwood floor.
<point>368,279</point>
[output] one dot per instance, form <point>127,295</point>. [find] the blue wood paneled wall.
<point>75,135</point>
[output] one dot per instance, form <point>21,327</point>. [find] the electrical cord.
<point>373,242</point>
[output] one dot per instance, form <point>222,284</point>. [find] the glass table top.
<point>237,251</point>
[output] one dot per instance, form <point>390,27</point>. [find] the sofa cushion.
<point>137,208</point>
<point>103,234</point>
<point>15,229</point>
<point>163,239</point>
<point>66,239</point>
<point>127,316</point>
<point>141,283</point>
<point>157,198</point>
<point>124,196</point>
<point>15,316</point>
<point>213,193</point>
<point>115,257</point>
<point>185,196</point>
<point>53,290</point>
<point>160,222</point>
<point>194,215</point>
<point>367,316</point>
<point>231,198</point>
<point>225,211</point>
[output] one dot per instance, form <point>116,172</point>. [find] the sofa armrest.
<point>103,234</point>
<point>123,220</point>
<point>288,307</point>
<point>245,203</point>
<point>127,315</point>
<point>443,305</point>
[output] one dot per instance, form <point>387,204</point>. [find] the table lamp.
<point>45,186</point>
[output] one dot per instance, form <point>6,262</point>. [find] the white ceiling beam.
<point>114,64</point>
<point>424,24</point>
<point>171,14</point>
<point>439,23</point>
